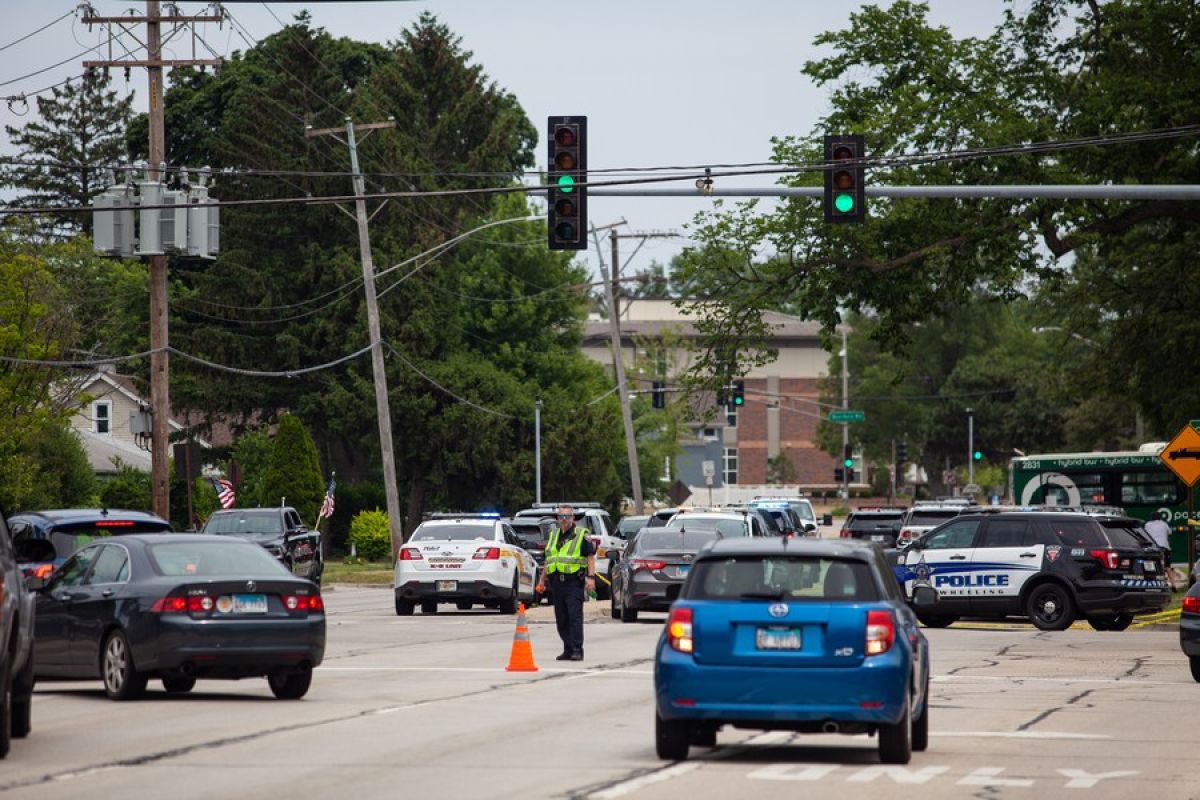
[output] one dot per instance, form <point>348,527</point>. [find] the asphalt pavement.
<point>422,707</point>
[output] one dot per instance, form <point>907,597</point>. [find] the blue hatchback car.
<point>791,634</point>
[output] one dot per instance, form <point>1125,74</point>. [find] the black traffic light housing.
<point>845,180</point>
<point>901,452</point>
<point>739,394</point>
<point>659,395</point>
<point>566,170</point>
<point>848,456</point>
<point>849,476</point>
<point>839,474</point>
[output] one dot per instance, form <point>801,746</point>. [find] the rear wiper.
<point>763,595</point>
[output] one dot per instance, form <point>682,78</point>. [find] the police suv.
<point>463,560</point>
<point>1051,566</point>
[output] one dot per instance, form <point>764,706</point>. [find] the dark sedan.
<point>177,607</point>
<point>649,575</point>
<point>1189,629</point>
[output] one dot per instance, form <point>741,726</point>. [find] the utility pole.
<point>971,446</point>
<point>160,396</point>
<point>537,451</point>
<point>845,406</point>
<point>382,407</point>
<point>892,482</point>
<point>618,268</point>
<point>635,474</point>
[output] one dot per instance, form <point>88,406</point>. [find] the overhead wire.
<point>443,389</point>
<point>49,24</point>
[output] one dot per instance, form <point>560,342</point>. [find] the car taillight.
<point>199,604</point>
<point>645,563</point>
<point>844,534</point>
<point>42,571</point>
<point>881,632</point>
<point>410,554</point>
<point>679,630</point>
<point>1191,605</point>
<point>1110,559</point>
<point>904,535</point>
<point>487,554</point>
<point>303,602</point>
<point>170,605</point>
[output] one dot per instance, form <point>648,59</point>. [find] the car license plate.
<point>447,586</point>
<point>683,570</point>
<point>1149,566</point>
<point>878,538</point>
<point>777,638</point>
<point>249,604</point>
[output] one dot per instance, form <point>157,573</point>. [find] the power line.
<point>39,30</point>
<point>442,388</point>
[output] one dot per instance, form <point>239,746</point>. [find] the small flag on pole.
<point>225,493</point>
<point>327,504</point>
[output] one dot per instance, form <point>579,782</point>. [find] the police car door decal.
<point>1004,560</point>
<point>942,560</point>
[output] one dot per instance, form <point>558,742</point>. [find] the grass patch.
<point>369,572</point>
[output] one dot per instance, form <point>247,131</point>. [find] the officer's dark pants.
<point>568,612</point>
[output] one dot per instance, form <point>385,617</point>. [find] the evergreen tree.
<point>294,474</point>
<point>64,154</point>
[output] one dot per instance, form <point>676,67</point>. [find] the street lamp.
<point>971,446</point>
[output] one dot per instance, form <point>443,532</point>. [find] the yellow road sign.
<point>1182,454</point>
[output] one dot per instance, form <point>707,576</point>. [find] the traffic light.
<point>567,168</point>
<point>901,452</point>
<point>849,476</point>
<point>848,457</point>
<point>977,455</point>
<point>839,474</point>
<point>659,396</point>
<point>845,178</point>
<point>739,393</point>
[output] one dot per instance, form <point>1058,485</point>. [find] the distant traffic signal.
<point>567,169</point>
<point>659,395</point>
<point>739,393</point>
<point>849,476</point>
<point>977,455</point>
<point>845,179</point>
<point>839,474</point>
<point>848,457</point>
<point>901,452</point>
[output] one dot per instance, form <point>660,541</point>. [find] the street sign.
<point>971,488</point>
<point>708,480</point>
<point>708,468</point>
<point>679,492</point>
<point>847,416</point>
<point>1182,453</point>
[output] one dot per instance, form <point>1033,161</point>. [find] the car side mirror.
<point>35,584</point>
<point>925,597</point>
<point>827,519</point>
<point>810,526</point>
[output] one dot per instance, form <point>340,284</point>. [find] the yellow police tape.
<point>1163,617</point>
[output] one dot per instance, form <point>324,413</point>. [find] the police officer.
<point>570,571</point>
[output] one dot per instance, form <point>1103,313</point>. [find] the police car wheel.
<point>405,608</point>
<point>932,621</point>
<point>429,606</point>
<point>508,605</point>
<point>1194,663</point>
<point>463,605</point>
<point>1111,622</point>
<point>1050,608</point>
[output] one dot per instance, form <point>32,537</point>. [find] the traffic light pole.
<point>970,447</point>
<point>382,406</point>
<point>845,406</point>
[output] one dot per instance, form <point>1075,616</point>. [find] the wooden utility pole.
<point>160,396</point>
<point>616,260</point>
<point>382,406</point>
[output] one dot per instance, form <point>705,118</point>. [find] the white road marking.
<point>988,776</point>
<point>1038,679</point>
<point>1080,779</point>
<point>792,772</point>
<point>631,786</point>
<point>1019,735</point>
<point>897,774</point>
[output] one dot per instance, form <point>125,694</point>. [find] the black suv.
<point>280,531</point>
<point>16,636</point>
<point>1050,566</point>
<point>877,525</point>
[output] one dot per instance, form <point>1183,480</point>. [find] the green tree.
<point>252,454</point>
<point>781,469</point>
<point>129,488</point>
<point>294,476</point>
<point>63,156</point>
<point>1055,70</point>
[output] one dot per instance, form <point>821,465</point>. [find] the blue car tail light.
<point>881,632</point>
<point>679,630</point>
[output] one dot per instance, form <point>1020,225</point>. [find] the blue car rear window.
<point>782,577</point>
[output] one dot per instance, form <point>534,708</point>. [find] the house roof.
<point>101,449</point>
<point>681,322</point>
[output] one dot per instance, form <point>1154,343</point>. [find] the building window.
<point>102,417</point>
<point>709,434</point>
<point>729,465</point>
<point>731,415</point>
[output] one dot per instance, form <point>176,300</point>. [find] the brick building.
<point>781,408</point>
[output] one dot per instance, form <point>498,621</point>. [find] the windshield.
<point>530,533</point>
<point>930,518</point>
<point>728,527</point>
<point>651,541</point>
<point>873,522</point>
<point>782,578</point>
<point>451,532</point>
<point>244,523</point>
<point>213,558</point>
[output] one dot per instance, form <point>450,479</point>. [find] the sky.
<point>660,81</point>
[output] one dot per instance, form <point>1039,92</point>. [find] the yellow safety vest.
<point>567,559</point>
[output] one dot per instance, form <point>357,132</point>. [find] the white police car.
<point>464,561</point>
<point>1050,566</point>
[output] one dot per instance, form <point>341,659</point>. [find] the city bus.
<point>1136,481</point>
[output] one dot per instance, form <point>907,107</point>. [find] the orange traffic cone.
<point>521,659</point>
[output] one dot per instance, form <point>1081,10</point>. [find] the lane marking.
<point>631,786</point>
<point>1034,678</point>
<point>1019,735</point>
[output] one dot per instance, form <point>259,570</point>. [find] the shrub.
<point>371,535</point>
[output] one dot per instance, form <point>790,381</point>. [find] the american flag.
<point>327,503</point>
<point>225,492</point>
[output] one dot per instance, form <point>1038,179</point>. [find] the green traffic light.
<point>978,455</point>
<point>844,203</point>
<point>849,462</point>
<point>567,184</point>
<point>737,401</point>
